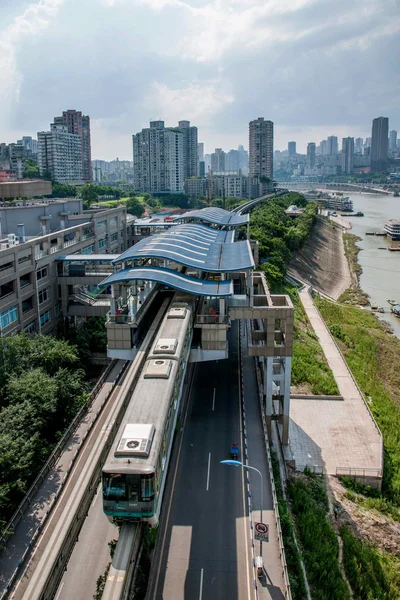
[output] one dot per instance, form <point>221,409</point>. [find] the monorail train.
<point>135,470</point>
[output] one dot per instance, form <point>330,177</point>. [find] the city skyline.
<point>184,67</point>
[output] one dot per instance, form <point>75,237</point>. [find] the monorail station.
<point>204,254</point>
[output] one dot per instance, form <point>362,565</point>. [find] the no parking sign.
<point>261,532</point>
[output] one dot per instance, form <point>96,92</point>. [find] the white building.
<point>190,149</point>
<point>60,154</point>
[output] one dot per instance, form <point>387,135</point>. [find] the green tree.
<point>31,169</point>
<point>135,207</point>
<point>64,191</point>
<point>89,194</point>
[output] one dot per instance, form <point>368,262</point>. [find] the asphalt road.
<point>203,547</point>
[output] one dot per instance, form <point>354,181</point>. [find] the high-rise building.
<point>358,145</point>
<point>379,144</point>
<point>311,151</point>
<point>218,160</point>
<point>243,159</point>
<point>333,147</point>
<point>200,151</point>
<point>347,155</point>
<point>291,148</point>
<point>79,124</point>
<point>393,140</point>
<point>232,160</point>
<point>29,144</point>
<point>261,148</point>
<point>207,162</point>
<point>190,149</point>
<point>324,147</point>
<point>158,159</point>
<point>60,154</point>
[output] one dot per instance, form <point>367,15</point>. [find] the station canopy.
<point>216,216</point>
<point>173,279</point>
<point>194,246</point>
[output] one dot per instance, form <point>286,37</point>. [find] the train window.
<point>114,487</point>
<point>133,484</point>
<point>148,491</point>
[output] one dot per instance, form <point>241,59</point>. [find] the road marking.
<point>213,406</point>
<point>201,584</point>
<point>59,591</point>
<point>208,470</point>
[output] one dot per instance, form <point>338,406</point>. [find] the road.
<point>203,546</point>
<point>90,556</point>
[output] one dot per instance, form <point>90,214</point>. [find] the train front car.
<point>135,469</point>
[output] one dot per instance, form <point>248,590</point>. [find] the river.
<point>381,269</point>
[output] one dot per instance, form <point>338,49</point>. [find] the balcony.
<point>86,236</point>
<point>56,248</point>
<point>41,254</point>
<point>69,243</point>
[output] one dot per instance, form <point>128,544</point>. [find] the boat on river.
<point>392,229</point>
<point>392,302</point>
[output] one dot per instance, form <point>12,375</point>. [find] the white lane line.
<point>201,584</point>
<point>59,591</point>
<point>208,471</point>
<point>213,406</point>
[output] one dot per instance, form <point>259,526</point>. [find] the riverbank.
<point>322,262</point>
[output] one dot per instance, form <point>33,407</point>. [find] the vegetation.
<point>41,389</point>
<point>372,574</point>
<point>135,207</point>
<point>31,169</point>
<point>90,337</point>
<point>354,294</point>
<point>101,581</point>
<point>63,191</point>
<point>293,557</point>
<point>317,537</point>
<point>374,359</point>
<point>278,234</point>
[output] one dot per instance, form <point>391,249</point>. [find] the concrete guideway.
<point>44,499</point>
<point>338,437</point>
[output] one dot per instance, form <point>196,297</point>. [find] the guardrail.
<point>9,528</point>
<point>285,572</point>
<point>353,378</point>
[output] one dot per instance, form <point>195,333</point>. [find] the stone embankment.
<point>322,262</point>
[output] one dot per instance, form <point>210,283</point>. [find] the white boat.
<point>392,228</point>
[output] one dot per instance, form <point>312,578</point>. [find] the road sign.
<point>261,532</point>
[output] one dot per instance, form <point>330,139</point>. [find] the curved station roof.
<point>194,246</point>
<point>173,279</point>
<point>216,216</point>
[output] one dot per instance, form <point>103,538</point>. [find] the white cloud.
<point>198,102</point>
<point>31,22</point>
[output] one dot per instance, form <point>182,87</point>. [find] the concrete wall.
<point>24,189</point>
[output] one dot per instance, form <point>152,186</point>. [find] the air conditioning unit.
<point>136,440</point>
<point>165,346</point>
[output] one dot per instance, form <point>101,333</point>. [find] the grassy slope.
<point>375,363</point>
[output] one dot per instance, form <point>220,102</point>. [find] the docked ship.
<point>339,202</point>
<point>392,229</point>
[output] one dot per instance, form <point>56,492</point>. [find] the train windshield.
<point>134,488</point>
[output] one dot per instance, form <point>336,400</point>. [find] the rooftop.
<point>216,216</point>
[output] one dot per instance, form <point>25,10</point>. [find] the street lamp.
<point>237,463</point>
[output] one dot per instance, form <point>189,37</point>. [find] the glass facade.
<point>8,316</point>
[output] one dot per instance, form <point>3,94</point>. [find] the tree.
<point>31,169</point>
<point>89,194</point>
<point>64,191</point>
<point>134,207</point>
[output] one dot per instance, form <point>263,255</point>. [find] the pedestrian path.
<point>43,500</point>
<point>334,434</point>
<point>271,586</point>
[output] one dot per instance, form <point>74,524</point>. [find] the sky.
<point>313,67</point>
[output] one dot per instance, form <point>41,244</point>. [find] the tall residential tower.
<point>79,124</point>
<point>261,148</point>
<point>379,144</point>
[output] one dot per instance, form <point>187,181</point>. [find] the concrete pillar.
<point>286,400</point>
<point>268,375</point>
<point>222,300</point>
<point>113,302</point>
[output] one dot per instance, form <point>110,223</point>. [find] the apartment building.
<point>228,185</point>
<point>379,144</point>
<point>261,148</point>
<point>32,297</point>
<point>158,159</point>
<point>190,149</point>
<point>79,124</point>
<point>347,155</point>
<point>60,155</point>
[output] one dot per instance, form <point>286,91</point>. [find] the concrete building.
<point>358,145</point>
<point>190,149</point>
<point>393,140</point>
<point>60,154</point>
<point>218,160</point>
<point>34,296</point>
<point>311,153</point>
<point>347,155</point>
<point>79,124</point>
<point>200,151</point>
<point>261,148</point>
<point>207,162</point>
<point>224,185</point>
<point>243,160</point>
<point>30,146</point>
<point>196,187</point>
<point>232,160</point>
<point>333,147</point>
<point>158,159</point>
<point>25,188</point>
<point>379,144</point>
<point>202,168</point>
<point>292,148</point>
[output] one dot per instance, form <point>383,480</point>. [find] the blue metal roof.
<point>217,216</point>
<point>194,246</point>
<point>88,257</point>
<point>173,279</point>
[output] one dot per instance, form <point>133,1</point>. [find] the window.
<point>24,280</point>
<point>114,237</point>
<point>8,316</point>
<point>6,289</point>
<point>88,249</point>
<point>7,265</point>
<point>57,310</point>
<point>44,295</point>
<point>27,304</point>
<point>41,274</point>
<point>31,328</point>
<point>23,259</point>
<point>101,223</point>
<point>102,243</point>
<point>45,318</point>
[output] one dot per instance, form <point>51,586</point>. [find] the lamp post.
<point>238,463</point>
